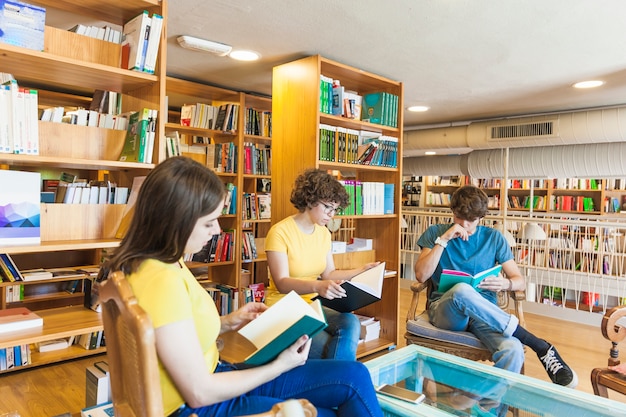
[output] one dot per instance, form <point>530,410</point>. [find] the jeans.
<point>335,388</point>
<point>339,340</point>
<point>462,308</point>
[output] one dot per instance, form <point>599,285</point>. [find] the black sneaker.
<point>557,369</point>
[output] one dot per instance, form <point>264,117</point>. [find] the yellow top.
<point>306,253</point>
<point>170,293</point>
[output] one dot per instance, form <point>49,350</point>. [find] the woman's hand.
<point>329,289</point>
<point>244,315</point>
<point>296,354</point>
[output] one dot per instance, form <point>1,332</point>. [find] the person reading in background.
<point>469,247</point>
<point>177,212</point>
<point>300,258</point>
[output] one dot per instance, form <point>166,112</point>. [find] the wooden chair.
<point>132,357</point>
<point>420,331</point>
<point>603,379</point>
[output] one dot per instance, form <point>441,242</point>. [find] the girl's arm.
<point>179,351</point>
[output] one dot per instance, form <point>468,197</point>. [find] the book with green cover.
<point>136,135</point>
<point>281,325</point>
<point>450,277</point>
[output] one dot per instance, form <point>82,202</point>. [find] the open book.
<point>450,277</point>
<point>363,289</point>
<point>281,325</point>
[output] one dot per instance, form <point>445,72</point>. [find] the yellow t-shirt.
<point>170,293</point>
<point>306,253</point>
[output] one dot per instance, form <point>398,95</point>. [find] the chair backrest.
<point>131,351</point>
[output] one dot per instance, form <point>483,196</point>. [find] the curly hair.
<point>469,203</point>
<point>315,185</point>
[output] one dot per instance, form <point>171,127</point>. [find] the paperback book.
<point>451,277</point>
<point>362,290</point>
<point>281,325</point>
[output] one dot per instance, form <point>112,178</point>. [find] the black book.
<point>362,290</point>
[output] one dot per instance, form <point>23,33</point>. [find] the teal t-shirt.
<point>484,249</point>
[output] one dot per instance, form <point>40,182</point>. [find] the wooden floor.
<point>54,390</point>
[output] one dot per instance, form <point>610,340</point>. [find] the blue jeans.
<point>462,308</point>
<point>339,340</point>
<point>335,388</point>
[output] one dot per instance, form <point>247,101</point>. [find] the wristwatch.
<point>443,243</point>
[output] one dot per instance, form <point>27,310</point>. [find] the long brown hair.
<point>172,198</point>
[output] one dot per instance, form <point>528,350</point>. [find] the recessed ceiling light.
<point>430,153</point>
<point>242,55</point>
<point>418,108</point>
<point>589,84</point>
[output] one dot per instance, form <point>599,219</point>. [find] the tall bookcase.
<point>234,272</point>
<point>296,146</point>
<point>77,234</point>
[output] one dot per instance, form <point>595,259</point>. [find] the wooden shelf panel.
<point>79,77</point>
<point>114,11</point>
<point>48,161</point>
<point>57,323</point>
<point>63,245</point>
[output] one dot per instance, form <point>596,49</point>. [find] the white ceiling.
<point>467,60</point>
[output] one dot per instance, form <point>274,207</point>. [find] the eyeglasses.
<point>328,209</point>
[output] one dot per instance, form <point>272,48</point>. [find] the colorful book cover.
<point>450,277</point>
<point>19,208</point>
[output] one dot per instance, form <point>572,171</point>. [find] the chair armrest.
<point>416,288</point>
<point>518,297</point>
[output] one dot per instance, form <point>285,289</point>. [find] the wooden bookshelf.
<point>296,146</point>
<point>67,73</point>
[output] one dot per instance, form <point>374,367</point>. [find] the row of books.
<point>89,341</point>
<point>206,116</point>
<point>369,198</point>
<point>375,107</point>
<point>140,42</point>
<point>104,33</point>
<point>248,246</point>
<point>615,184</point>
<point>94,192</point>
<point>257,206</point>
<point>437,199</point>
<point>257,159</point>
<point>576,183</point>
<point>230,201</point>
<point>84,117</point>
<point>219,249</point>
<point>338,144</point>
<point>14,293</point>
<point>257,122</point>
<point>222,157</point>
<point>572,203</point>
<point>14,357</point>
<point>226,297</point>
<point>140,136</point>
<point>614,204</point>
<point>19,130</point>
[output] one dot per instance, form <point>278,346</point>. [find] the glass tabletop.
<point>457,386</point>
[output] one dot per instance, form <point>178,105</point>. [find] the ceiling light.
<point>203,45</point>
<point>242,55</point>
<point>430,153</point>
<point>589,84</point>
<point>418,108</point>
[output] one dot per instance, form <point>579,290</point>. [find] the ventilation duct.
<point>435,165</point>
<point>573,128</point>
<point>582,161</point>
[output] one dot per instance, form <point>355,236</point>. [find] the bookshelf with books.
<point>76,235</point>
<point>301,140</point>
<point>240,154</point>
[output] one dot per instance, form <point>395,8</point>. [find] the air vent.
<point>528,130</point>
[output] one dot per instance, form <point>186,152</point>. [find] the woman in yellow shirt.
<point>300,259</point>
<point>177,212</point>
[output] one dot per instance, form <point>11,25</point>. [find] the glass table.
<point>460,387</point>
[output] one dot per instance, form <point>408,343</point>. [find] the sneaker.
<point>557,369</point>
